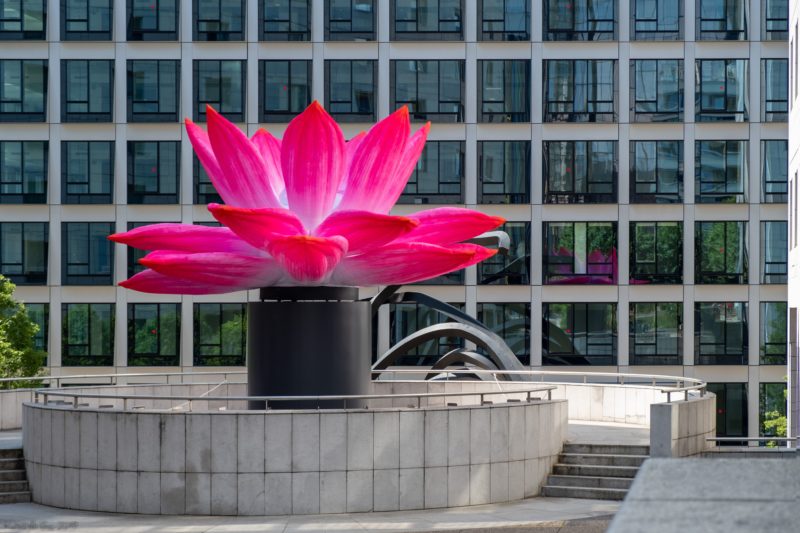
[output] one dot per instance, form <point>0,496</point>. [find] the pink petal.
<point>270,149</point>
<point>403,263</point>
<point>258,226</point>
<point>352,146</point>
<point>312,159</point>
<point>449,225</point>
<point>245,175</point>
<point>183,238</point>
<point>370,177</point>
<point>152,282</point>
<point>308,259</point>
<point>408,163</point>
<point>363,229</point>
<point>215,268</point>
<point>205,154</point>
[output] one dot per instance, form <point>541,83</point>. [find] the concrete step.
<point>15,497</point>
<point>12,464</point>
<point>13,486</point>
<point>601,459</point>
<point>609,449</point>
<point>595,470</point>
<point>596,482</point>
<point>583,492</point>
<point>12,453</point>
<point>12,475</point>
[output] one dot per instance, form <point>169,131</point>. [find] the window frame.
<point>220,103</point>
<point>573,34</point>
<point>415,113</point>
<point>23,34</point>
<point>154,198</point>
<point>355,99</point>
<point>24,92</point>
<point>716,114</point>
<point>439,198</point>
<point>154,359</point>
<point>88,35</point>
<point>734,190</point>
<point>775,109</point>
<point>268,35</point>
<point>218,35</point>
<point>722,391</point>
<point>438,35</point>
<point>88,197</point>
<point>40,317</point>
<point>506,308</point>
<point>91,95</point>
<point>726,276</point>
<point>726,33</point>
<point>636,275</point>
<point>508,195</point>
<point>657,357</point>
<point>351,35</point>
<point>156,34</point>
<point>768,34</point>
<point>766,355</point>
<point>657,34</point>
<point>287,114</point>
<point>728,355</point>
<point>774,197</point>
<point>573,357</point>
<point>656,116</point>
<point>199,359</point>
<point>28,233</point>
<point>503,34</point>
<point>551,264</point>
<point>198,173</point>
<point>570,110</point>
<point>514,267</point>
<point>159,116</point>
<point>511,99</point>
<point>89,359</point>
<point>656,197</point>
<point>781,268</point>
<point>24,182</point>
<point>423,317</point>
<point>92,277</point>
<point>590,179</point>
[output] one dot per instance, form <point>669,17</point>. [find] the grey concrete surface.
<point>607,433</point>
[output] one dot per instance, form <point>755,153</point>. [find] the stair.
<point>13,481</point>
<point>595,471</point>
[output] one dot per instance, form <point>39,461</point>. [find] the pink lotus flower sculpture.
<point>310,209</point>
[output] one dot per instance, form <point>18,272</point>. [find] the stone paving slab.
<point>607,433</point>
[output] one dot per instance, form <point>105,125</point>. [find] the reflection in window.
<point>731,410</point>
<point>406,319</point>
<point>771,407</point>
<point>154,170</point>
<point>580,253</point>
<point>773,333</point>
<point>285,89</point>
<point>87,172</point>
<point>154,332</point>
<point>775,16</point>
<point>23,172</point>
<point>514,267</point>
<point>87,334</point>
<point>427,20</point>
<point>504,91</point>
<point>656,252</point>
<point>204,191</point>
<point>134,254</point>
<point>40,314</point>
<point>721,90</point>
<point>219,20</point>
<point>657,90</point>
<point>22,20</point>
<point>657,20</point>
<point>350,90</point>
<point>153,20</point>
<point>656,172</point>
<point>721,172</point>
<point>153,90</point>
<point>656,331</point>
<point>774,251</point>
<point>87,256</point>
<point>579,90</point>
<point>87,90</point>
<point>438,177</point>
<point>774,90</point>
<point>580,172</point>
<point>220,84</point>
<point>86,20</point>
<point>504,20</point>
<point>284,20</point>
<point>350,20</point>
<point>504,169</point>
<point>579,20</point>
<point>512,322</point>
<point>23,90</point>
<point>432,90</point>
<point>579,334</point>
<point>720,333</point>
<point>774,171</point>
<point>23,252</point>
<point>220,334</point>
<point>721,252</point>
<point>722,20</point>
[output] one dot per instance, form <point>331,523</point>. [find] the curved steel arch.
<point>460,355</point>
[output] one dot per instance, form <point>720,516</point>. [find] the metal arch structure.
<point>463,356</point>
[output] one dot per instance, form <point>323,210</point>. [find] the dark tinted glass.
<point>427,20</point>
<point>153,20</point>
<point>504,172</point>
<point>406,319</point>
<point>720,252</point>
<point>657,90</point>
<point>87,334</point>
<point>514,267</point>
<point>284,20</point>
<point>731,410</point>
<point>580,253</point>
<point>580,172</point>
<point>720,333</point>
<point>773,333</point>
<point>656,333</point>
<point>23,90</point>
<point>579,334</point>
<point>285,89</point>
<point>153,90</point>
<point>512,323</point>
<point>220,334</point>
<point>87,172</point>
<point>87,256</point>
<point>350,20</point>
<point>220,84</point>
<point>580,90</point>
<point>23,252</point>
<point>350,90</point>
<point>154,170</point>
<point>721,90</point>
<point>722,20</point>
<point>656,20</point>
<point>22,20</point>
<point>775,20</point>
<point>433,90</point>
<point>504,91</point>
<point>721,171</point>
<point>219,20</point>
<point>656,254</point>
<point>438,177</point>
<point>86,20</point>
<point>579,20</point>
<point>656,172</point>
<point>87,90</point>
<point>504,20</point>
<point>774,251</point>
<point>154,332</point>
<point>774,90</point>
<point>204,191</point>
<point>774,171</point>
<point>23,172</point>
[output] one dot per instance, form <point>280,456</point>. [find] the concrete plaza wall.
<point>680,428</point>
<point>11,407</point>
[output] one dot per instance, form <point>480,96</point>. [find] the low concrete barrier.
<point>680,428</point>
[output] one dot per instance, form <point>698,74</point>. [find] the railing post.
<point>669,397</point>
<point>74,402</point>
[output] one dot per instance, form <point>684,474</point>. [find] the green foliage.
<point>773,423</point>
<point>18,354</point>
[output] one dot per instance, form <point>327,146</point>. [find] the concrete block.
<point>88,489</point>
<point>499,433</point>
<point>56,490</point>
<point>531,431</point>
<point>107,491</point>
<point>387,440</point>
<point>72,483</point>
<point>663,430</point>
<point>386,492</point>
<point>58,443</point>
<point>223,448</point>
<point>332,443</point>
<point>516,433</point>
<point>250,445</point>
<point>516,480</point>
<point>411,487</point>
<point>198,443</point>
<point>127,492</point>
<point>127,442</point>
<point>278,493</point>
<point>435,487</point>
<point>458,438</point>
<point>499,482</point>
<point>412,440</point>
<point>457,486</point>
<point>480,438</point>
<point>149,442</point>
<point>149,501</point>
<point>360,441</point>
<point>173,493</point>
<point>436,438</point>
<point>72,440</point>
<point>224,491</point>
<point>88,429</point>
<point>305,493</point>
<point>333,492</point>
<point>544,430</point>
<point>305,443</point>
<point>479,484</point>
<point>107,441</point>
<point>45,442</point>
<point>251,489</point>
<point>359,491</point>
<point>278,429</point>
<point>173,443</point>
<point>198,493</point>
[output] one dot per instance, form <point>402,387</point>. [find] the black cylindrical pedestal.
<point>308,341</point>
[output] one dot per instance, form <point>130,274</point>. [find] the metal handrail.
<point>751,439</point>
<point>114,376</point>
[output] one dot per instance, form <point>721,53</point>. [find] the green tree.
<point>18,354</point>
<point>773,422</point>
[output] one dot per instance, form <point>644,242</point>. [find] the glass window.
<point>773,333</point>
<point>579,334</point>
<point>153,20</point>
<point>87,172</point>
<point>771,406</point>
<point>579,90</point>
<point>438,177</point>
<point>433,90</point>
<point>87,335</point>
<point>512,322</point>
<point>720,172</point>
<point>731,410</point>
<point>774,90</point>
<point>204,191</point>
<point>406,319</point>
<point>656,20</point>
<point>656,172</point>
<point>154,333</point>
<point>285,89</point>
<point>504,90</point>
<point>350,90</point>
<point>154,171</point>
<point>720,333</point>
<point>427,20</point>
<point>514,267</point>
<point>153,90</point>
<point>657,90</point>
<point>23,172</point>
<point>504,172</point>
<point>22,20</point>
<point>721,90</point>
<point>656,252</point>
<point>580,253</point>
<point>722,20</point>
<point>220,84</point>
<point>579,20</point>
<point>134,254</point>
<point>86,20</point>
<point>87,90</point>
<point>774,251</point>
<point>23,252</point>
<point>40,314</point>
<point>350,20</point>
<point>220,334</point>
<point>720,252</point>
<point>284,20</point>
<point>23,90</point>
<point>87,256</point>
<point>504,20</point>
<point>656,331</point>
<point>580,172</point>
<point>774,171</point>
<point>775,16</point>
<point>219,20</point>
